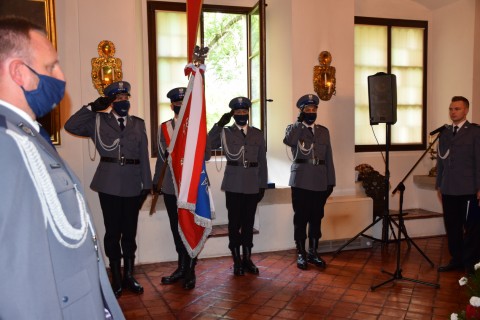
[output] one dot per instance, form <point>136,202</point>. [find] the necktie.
<point>455,129</point>
<point>121,120</point>
<point>311,130</point>
<point>243,133</point>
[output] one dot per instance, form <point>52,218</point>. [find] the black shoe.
<point>174,277</point>
<point>312,257</point>
<point>248,265</point>
<point>190,278</point>
<point>115,270</point>
<point>451,266</point>
<point>129,281</point>
<point>179,273</point>
<point>301,255</point>
<point>302,262</point>
<point>237,262</point>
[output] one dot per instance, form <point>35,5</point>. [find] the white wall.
<point>297,31</point>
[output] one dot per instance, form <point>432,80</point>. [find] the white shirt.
<point>22,114</point>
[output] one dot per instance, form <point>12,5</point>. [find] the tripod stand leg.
<point>410,242</point>
<point>398,276</point>
<point>358,235</point>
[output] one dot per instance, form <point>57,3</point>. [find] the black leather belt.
<point>122,161</point>
<point>315,162</point>
<point>244,164</point>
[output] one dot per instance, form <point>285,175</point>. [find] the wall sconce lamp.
<point>324,77</point>
<point>105,68</point>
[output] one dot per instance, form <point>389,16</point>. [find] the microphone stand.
<point>397,274</point>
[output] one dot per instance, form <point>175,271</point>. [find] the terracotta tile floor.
<point>281,291</point>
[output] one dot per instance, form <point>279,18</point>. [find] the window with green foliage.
<point>234,66</point>
<point>398,47</point>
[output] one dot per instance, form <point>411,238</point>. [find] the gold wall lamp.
<point>106,69</point>
<point>324,77</point>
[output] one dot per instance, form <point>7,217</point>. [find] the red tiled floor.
<point>281,291</point>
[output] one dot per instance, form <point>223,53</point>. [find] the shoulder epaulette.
<point>137,118</point>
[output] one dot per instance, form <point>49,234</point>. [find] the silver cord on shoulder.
<point>52,210</point>
<point>115,144</point>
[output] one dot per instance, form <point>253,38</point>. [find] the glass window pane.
<point>406,58</point>
<point>407,47</point>
<point>370,58</point>
<point>226,77</point>
<point>371,46</point>
<point>171,58</point>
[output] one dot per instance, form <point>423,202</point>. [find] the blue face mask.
<point>240,119</point>
<point>121,107</point>
<point>310,118</point>
<point>47,96</point>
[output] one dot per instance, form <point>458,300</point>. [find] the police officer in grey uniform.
<point>458,185</point>
<point>244,181</point>
<point>123,177</point>
<point>186,265</point>
<point>312,178</point>
<point>50,264</point>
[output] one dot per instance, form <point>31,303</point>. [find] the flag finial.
<point>199,55</point>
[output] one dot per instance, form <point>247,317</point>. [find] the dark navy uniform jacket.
<point>242,179</point>
<point>459,172</point>
<point>112,178</point>
<point>311,174</point>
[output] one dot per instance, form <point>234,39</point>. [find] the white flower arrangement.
<point>472,284</point>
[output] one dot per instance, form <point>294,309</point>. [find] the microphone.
<point>438,130</point>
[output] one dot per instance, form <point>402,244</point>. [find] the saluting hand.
<point>101,103</point>
<point>226,117</point>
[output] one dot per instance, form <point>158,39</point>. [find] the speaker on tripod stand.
<point>382,98</point>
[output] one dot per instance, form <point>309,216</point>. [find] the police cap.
<point>176,94</point>
<point>117,88</point>
<point>240,103</point>
<point>306,100</point>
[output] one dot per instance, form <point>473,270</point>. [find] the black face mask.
<point>176,109</point>
<point>241,119</point>
<point>121,107</point>
<point>310,118</point>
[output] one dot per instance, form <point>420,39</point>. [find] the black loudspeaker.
<point>382,98</point>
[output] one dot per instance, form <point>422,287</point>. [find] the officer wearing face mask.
<point>186,265</point>
<point>312,178</point>
<point>51,267</point>
<point>123,177</point>
<point>244,181</point>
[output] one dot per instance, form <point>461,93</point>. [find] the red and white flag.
<point>187,164</point>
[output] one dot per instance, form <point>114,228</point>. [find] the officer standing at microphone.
<point>458,187</point>
<point>312,178</point>
<point>123,178</point>
<point>244,181</point>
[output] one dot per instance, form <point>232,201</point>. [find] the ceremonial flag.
<point>194,8</point>
<point>187,164</point>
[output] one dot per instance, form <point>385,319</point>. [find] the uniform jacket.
<point>459,172</point>
<point>304,145</point>
<point>167,183</point>
<point>242,179</point>
<point>41,278</point>
<point>112,178</point>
